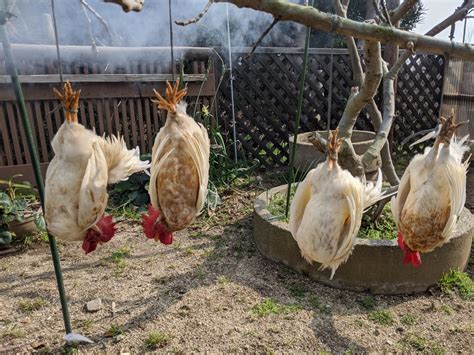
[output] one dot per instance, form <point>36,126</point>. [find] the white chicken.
<point>326,211</point>
<point>179,171</point>
<point>77,177</point>
<point>431,194</point>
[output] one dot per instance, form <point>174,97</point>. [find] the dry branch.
<point>397,14</point>
<point>263,35</point>
<point>198,17</point>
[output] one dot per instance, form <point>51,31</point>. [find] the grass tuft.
<point>270,306</point>
<point>408,319</point>
<point>458,281</point>
<point>28,306</point>
<point>156,340</point>
<point>385,227</point>
<point>382,316</point>
<point>368,302</point>
<point>114,330</point>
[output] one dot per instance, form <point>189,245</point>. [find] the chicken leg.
<point>69,100</point>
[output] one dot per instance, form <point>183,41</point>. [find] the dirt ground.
<point>211,291</point>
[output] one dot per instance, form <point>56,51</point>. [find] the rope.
<point>173,68</point>
<point>229,45</point>
<point>298,115</point>
<point>328,125</point>
<point>56,38</point>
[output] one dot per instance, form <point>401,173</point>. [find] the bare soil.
<point>210,291</point>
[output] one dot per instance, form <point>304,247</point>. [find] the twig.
<point>89,26</point>
<point>99,17</point>
<point>264,34</point>
<point>385,12</point>
<point>198,17</point>
<point>397,14</point>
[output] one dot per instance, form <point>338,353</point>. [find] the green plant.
<point>383,228</point>
<point>270,306</point>
<point>367,302</point>
<point>118,258</point>
<point>318,305</point>
<point>15,201</point>
<point>129,198</point>
<point>114,330</point>
<point>459,281</point>
<point>28,306</point>
<point>156,340</point>
<point>277,204</point>
<point>408,319</point>
<point>383,317</point>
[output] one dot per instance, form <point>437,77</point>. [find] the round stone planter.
<point>307,156</point>
<point>374,265</point>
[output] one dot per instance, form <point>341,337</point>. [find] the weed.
<point>459,281</point>
<point>118,258</point>
<point>270,306</point>
<point>188,251</point>
<point>447,309</point>
<point>383,228</point>
<point>416,342</point>
<point>156,340</point>
<point>28,306</point>
<point>368,302</point>
<point>87,324</point>
<point>359,322</point>
<point>223,280</point>
<point>277,204</point>
<point>383,317</point>
<point>13,332</point>
<point>408,319</point>
<point>114,331</point>
<point>316,304</point>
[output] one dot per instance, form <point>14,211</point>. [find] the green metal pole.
<point>298,116</point>
<point>11,68</point>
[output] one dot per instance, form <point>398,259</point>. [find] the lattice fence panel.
<point>266,89</point>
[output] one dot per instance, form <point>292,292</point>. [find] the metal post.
<point>11,69</point>
<point>298,116</point>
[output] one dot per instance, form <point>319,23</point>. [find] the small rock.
<point>113,308</point>
<point>376,332</point>
<point>119,337</point>
<point>400,329</point>
<point>94,305</point>
<point>38,344</point>
<point>389,342</point>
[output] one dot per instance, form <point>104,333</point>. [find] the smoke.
<point>150,27</point>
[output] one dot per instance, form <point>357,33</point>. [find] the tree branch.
<point>264,34</point>
<point>358,100</point>
<point>287,11</point>
<point>397,14</point>
<point>198,17</point>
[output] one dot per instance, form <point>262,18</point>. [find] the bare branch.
<point>264,34</point>
<point>458,15</point>
<point>358,100</point>
<point>318,141</point>
<point>397,14</point>
<point>198,17</point>
<point>287,11</point>
<point>129,5</point>
<point>385,12</point>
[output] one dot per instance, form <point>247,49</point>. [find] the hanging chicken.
<point>179,171</point>
<point>431,194</point>
<point>326,211</point>
<point>77,177</point>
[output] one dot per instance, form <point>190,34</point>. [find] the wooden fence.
<point>116,88</point>
<point>266,89</point>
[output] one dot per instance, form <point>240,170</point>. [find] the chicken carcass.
<point>77,177</point>
<point>431,194</point>
<point>179,170</point>
<point>326,211</point>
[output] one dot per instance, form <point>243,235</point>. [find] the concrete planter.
<point>308,156</point>
<point>374,266</point>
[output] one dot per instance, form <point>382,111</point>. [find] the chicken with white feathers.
<point>179,170</point>
<point>431,194</point>
<point>77,177</point>
<point>326,211</point>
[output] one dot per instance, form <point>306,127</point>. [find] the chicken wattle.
<point>431,194</point>
<point>77,177</point>
<point>326,211</point>
<point>179,170</point>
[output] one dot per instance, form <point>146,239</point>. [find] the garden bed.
<point>375,265</point>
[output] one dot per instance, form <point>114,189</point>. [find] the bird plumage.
<point>326,211</point>
<point>431,195</point>
<point>77,177</point>
<point>180,168</point>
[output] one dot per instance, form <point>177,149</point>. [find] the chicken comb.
<point>173,97</point>
<point>69,100</point>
